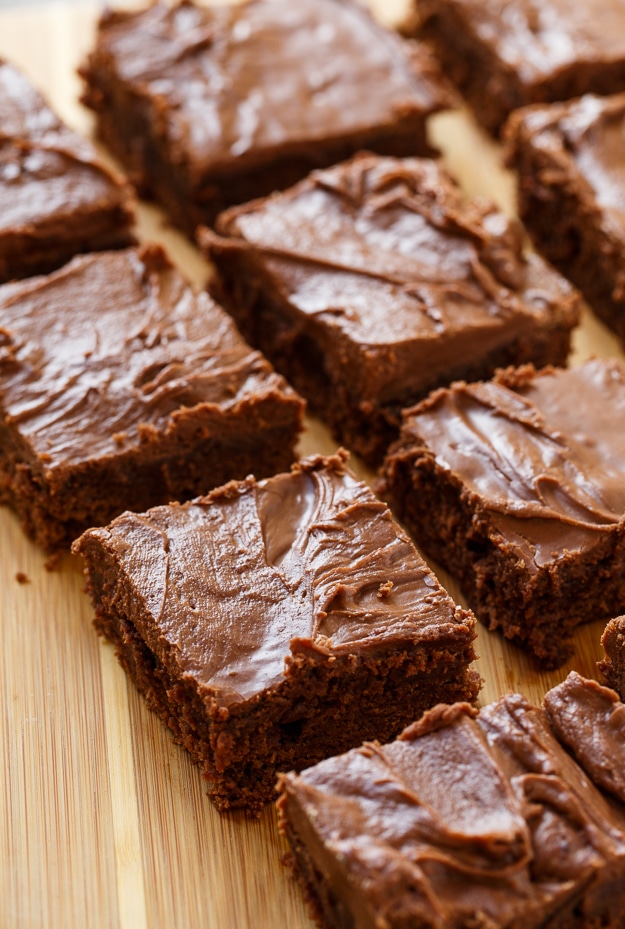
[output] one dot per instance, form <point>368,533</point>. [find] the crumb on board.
<point>22,578</point>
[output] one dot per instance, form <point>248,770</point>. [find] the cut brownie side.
<point>277,622</point>
<point>571,194</point>
<point>372,282</point>
<point>57,198</point>
<point>469,820</point>
<point>613,664</point>
<point>120,388</point>
<point>212,106</point>
<point>531,51</point>
<point>517,487</point>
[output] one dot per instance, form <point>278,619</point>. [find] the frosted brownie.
<point>530,51</point>
<point>120,388</point>
<point>471,820</point>
<point>613,664</point>
<point>571,194</point>
<point>212,106</point>
<point>56,196</point>
<point>517,487</point>
<point>276,622</point>
<point>372,282</point>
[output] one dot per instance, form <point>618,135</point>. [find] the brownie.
<point>273,623</point>
<point>212,106</point>
<point>122,388</point>
<point>370,283</point>
<point>57,198</point>
<point>513,818</point>
<point>613,664</point>
<point>571,193</point>
<point>502,57</point>
<point>517,487</point>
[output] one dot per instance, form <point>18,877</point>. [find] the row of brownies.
<point>281,619</point>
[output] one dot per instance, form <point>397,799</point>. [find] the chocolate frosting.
<point>539,38</point>
<point>467,821</point>
<point>590,720</point>
<point>100,355</point>
<point>584,140</point>
<point>550,473</point>
<point>391,257</point>
<point>47,171</point>
<point>232,82</point>
<point>234,585</point>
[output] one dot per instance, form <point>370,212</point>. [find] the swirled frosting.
<point>230,587</point>
<point>98,356</point>
<point>539,452</point>
<point>470,820</point>
<point>394,271</point>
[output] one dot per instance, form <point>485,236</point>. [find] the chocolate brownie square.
<point>370,283</point>
<point>120,387</point>
<point>56,196</point>
<point>571,193</point>
<point>276,622</point>
<point>504,56</point>
<point>471,820</point>
<point>209,106</point>
<point>517,487</point>
<point>613,664</point>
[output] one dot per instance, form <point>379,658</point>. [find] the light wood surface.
<point>104,821</point>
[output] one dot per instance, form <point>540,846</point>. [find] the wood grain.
<point>104,820</point>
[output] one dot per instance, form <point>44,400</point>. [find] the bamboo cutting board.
<point>103,820</point>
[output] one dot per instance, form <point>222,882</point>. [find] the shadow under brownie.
<point>571,194</point>
<point>370,283</point>
<point>207,107</point>
<point>502,57</point>
<point>513,817</point>
<point>120,388</point>
<point>274,623</point>
<point>57,198</point>
<point>517,487</point>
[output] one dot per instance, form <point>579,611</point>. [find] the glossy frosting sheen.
<point>469,820</point>
<point>46,170</point>
<point>96,356</point>
<point>589,133</point>
<point>237,583</point>
<point>245,79</point>
<point>544,456</point>
<point>387,252</point>
<point>539,37</point>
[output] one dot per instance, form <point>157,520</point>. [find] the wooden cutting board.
<point>104,821</point>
